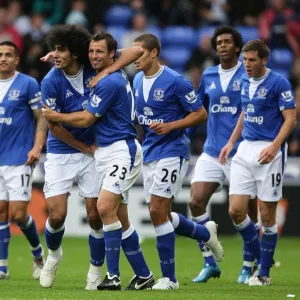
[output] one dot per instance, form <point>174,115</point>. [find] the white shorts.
<point>209,169</point>
<point>15,183</point>
<point>248,177</point>
<point>164,177</point>
<point>62,170</point>
<point>118,166</point>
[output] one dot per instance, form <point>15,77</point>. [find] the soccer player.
<point>22,135</point>
<point>118,161</point>
<point>267,119</point>
<point>220,86</point>
<point>70,149</point>
<point>166,105</point>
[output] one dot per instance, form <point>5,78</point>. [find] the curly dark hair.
<point>73,37</point>
<point>236,35</point>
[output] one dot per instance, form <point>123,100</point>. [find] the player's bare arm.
<point>80,119</point>
<point>40,136</point>
<point>268,153</point>
<point>192,119</point>
<point>67,137</point>
<point>236,134</point>
<point>126,57</point>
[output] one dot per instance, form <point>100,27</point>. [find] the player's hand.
<point>268,154</point>
<point>33,157</point>
<point>49,57</point>
<point>98,77</point>
<point>225,152</point>
<point>161,128</point>
<point>50,114</point>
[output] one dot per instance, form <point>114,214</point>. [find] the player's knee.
<point>197,204</point>
<point>19,216</point>
<point>156,214</point>
<point>57,219</point>
<point>236,214</point>
<point>3,215</point>
<point>94,220</point>
<point>267,218</point>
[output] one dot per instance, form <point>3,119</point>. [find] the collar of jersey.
<point>10,78</point>
<point>74,76</point>
<point>229,70</point>
<point>157,74</point>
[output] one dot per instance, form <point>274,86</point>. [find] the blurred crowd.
<point>184,27</point>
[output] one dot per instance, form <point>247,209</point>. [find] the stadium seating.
<point>117,32</point>
<point>118,15</point>
<point>248,33</point>
<point>281,58</point>
<point>176,57</point>
<point>204,31</point>
<point>183,36</point>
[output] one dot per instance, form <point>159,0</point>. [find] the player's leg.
<point>96,244</point>
<point>208,176</point>
<point>4,232</point>
<point>269,191</point>
<point>60,169</point>
<point>108,204</point>
<point>89,182</point>
<point>143,278</point>
<point>19,185</point>
<point>248,257</point>
<point>165,242</point>
<point>121,163</point>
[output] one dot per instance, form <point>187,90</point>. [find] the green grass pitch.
<point>71,275</point>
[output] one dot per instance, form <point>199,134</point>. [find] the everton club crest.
<point>158,94</point>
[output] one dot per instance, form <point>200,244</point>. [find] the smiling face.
<point>8,61</point>
<point>254,65</point>
<point>226,49</point>
<point>99,55</point>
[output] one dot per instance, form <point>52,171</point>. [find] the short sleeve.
<point>50,94</point>
<point>285,95</point>
<point>103,97</point>
<point>187,95</point>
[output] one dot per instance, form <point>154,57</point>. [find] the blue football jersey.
<point>224,107</point>
<point>171,98</point>
<point>263,102</point>
<point>59,94</point>
<point>113,104</point>
<point>17,123</point>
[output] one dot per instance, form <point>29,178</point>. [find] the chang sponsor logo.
<point>144,120</point>
<point>254,119</point>
<point>6,121</point>
<point>219,108</point>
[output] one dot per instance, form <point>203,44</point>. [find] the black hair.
<point>73,37</point>
<point>236,36</point>
<point>13,45</point>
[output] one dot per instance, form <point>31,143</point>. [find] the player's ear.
<point>112,54</point>
<point>265,60</point>
<point>154,53</point>
<point>17,60</point>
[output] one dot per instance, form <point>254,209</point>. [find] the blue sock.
<point>4,243</point>
<point>249,233</point>
<point>30,232</point>
<point>206,252</point>
<point>112,238</point>
<point>267,247</point>
<point>188,228</point>
<point>165,243</point>
<point>133,252</point>
<point>53,236</point>
<point>97,247</point>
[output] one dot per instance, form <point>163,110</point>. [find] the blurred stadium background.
<point>184,28</point>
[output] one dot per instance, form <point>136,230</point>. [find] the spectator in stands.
<point>273,24</point>
<point>76,15</point>
<point>16,17</point>
<point>295,73</point>
<point>213,12</point>
<point>52,9</point>
<point>293,29</point>
<point>8,32</point>
<point>245,12</point>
